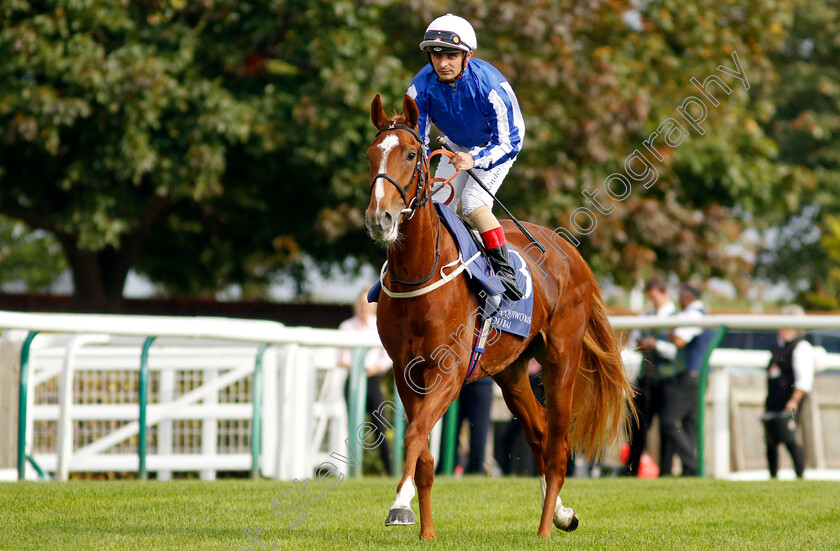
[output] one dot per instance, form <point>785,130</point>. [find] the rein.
<point>421,173</point>
<point>395,279</point>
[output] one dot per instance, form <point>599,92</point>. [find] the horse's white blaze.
<point>405,495</point>
<point>562,515</point>
<point>386,146</point>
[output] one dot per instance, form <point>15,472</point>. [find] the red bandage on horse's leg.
<point>493,238</point>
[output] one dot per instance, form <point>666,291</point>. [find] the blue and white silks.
<point>480,112</point>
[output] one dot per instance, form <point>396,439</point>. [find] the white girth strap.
<point>462,265</point>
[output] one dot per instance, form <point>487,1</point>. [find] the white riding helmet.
<point>449,32</point>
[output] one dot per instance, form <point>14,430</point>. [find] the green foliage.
<point>105,124</point>
<point>806,126</point>
<point>217,143</point>
<point>827,296</point>
<point>33,258</point>
<point>299,186</point>
<point>105,112</point>
<point>205,143</point>
<point>594,87</point>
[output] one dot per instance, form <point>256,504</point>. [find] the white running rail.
<point>294,412</point>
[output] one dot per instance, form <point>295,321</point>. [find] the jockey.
<point>474,106</point>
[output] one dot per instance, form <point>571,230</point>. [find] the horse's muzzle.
<point>383,227</point>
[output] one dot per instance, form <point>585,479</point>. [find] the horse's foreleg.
<point>429,408</point>
<point>425,479</point>
<point>557,454</point>
<point>400,512</point>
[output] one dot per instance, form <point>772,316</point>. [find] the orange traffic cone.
<point>647,466</point>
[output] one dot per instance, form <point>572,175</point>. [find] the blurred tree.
<point>217,143</point>
<point>297,187</point>
<point>594,80</point>
<point>204,143</point>
<point>106,123</point>
<point>806,126</point>
<point>829,298</point>
<point>623,73</point>
<point>32,258</point>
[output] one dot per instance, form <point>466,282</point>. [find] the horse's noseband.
<point>419,170</point>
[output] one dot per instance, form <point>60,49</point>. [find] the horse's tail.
<point>601,405</point>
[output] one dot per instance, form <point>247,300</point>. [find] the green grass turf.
<point>470,513</point>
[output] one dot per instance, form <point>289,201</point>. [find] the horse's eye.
<point>411,155</point>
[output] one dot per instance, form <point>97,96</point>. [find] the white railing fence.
<point>95,418</point>
<point>202,413</point>
<point>218,353</point>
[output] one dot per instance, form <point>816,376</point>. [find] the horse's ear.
<point>377,113</point>
<point>410,112</point>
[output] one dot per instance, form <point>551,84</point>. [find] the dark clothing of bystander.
<point>648,402</point>
<point>679,397</point>
<point>648,399</point>
<point>474,405</point>
<point>791,367</point>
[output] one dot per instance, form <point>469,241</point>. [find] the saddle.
<point>510,317</point>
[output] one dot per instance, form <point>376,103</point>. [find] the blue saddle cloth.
<point>510,317</point>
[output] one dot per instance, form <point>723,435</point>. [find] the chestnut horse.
<point>421,321</point>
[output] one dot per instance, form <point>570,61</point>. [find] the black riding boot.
<point>501,264</point>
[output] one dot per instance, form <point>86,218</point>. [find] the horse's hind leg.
<point>520,399</point>
<point>559,370</point>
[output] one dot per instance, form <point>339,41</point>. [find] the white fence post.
<point>329,410</point>
<point>296,395</point>
<point>270,415</point>
<point>64,437</point>
<point>166,393</point>
<point>209,427</point>
<point>720,399</point>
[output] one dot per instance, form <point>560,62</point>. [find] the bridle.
<point>421,170</point>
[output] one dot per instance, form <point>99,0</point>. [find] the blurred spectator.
<point>790,377</point>
<point>658,354</point>
<point>678,419</point>
<point>512,449</point>
<point>377,363</point>
<point>474,406</point>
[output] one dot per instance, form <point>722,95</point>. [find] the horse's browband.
<point>395,126</point>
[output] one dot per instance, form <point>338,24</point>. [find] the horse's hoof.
<point>565,518</point>
<point>399,517</point>
<point>573,524</point>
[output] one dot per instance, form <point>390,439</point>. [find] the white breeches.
<point>465,188</point>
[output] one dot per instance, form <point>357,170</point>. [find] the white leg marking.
<point>405,495</point>
<point>562,515</point>
<point>386,146</point>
